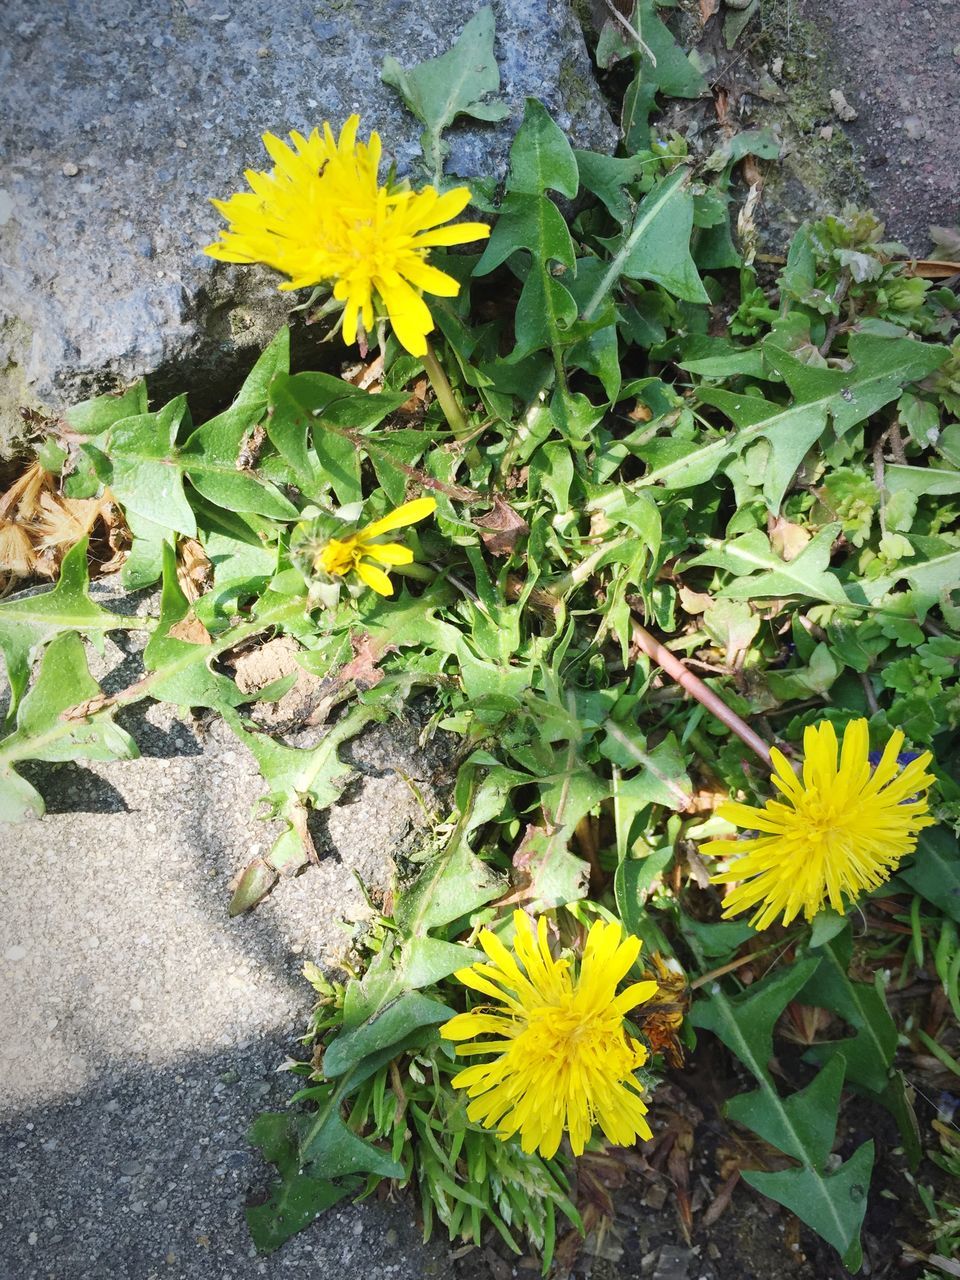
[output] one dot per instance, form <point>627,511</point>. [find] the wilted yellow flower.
<point>841,829</point>
<point>353,554</point>
<point>320,216</point>
<point>562,1059</point>
<point>662,1021</point>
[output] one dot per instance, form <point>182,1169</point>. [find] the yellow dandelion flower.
<point>321,217</point>
<point>840,829</point>
<point>354,554</point>
<point>562,1060</point>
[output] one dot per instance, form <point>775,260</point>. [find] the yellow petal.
<point>374,578</point>
<point>409,513</point>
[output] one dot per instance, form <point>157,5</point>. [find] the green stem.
<point>444,392</point>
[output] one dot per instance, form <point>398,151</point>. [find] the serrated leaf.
<point>298,779</point>
<point>669,70</point>
<point>530,222</point>
<point>632,882</point>
<point>296,1200</point>
<point>802,1125</point>
<point>426,960</point>
<point>881,367</point>
<point>29,623</point>
<point>182,672</point>
<point>144,563</point>
<point>869,1053</point>
<point>934,872</point>
<point>833,1204</point>
<point>438,90</point>
<point>541,158</point>
<point>607,176</point>
<point>658,775</point>
<point>317,408</point>
<point>450,886</point>
<point>760,573</point>
<point>387,1027</point>
<point>657,244</point>
<point>144,472</point>
<point>745,1023</point>
<point>548,875</point>
<point>929,578</point>
<point>92,417</point>
<point>42,733</point>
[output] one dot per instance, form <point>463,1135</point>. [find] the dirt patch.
<point>898,64</point>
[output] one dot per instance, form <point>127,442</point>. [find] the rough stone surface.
<point>114,131</point>
<point>898,63</point>
<point>141,1029</point>
<point>144,1173</point>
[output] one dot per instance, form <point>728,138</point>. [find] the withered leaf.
<point>501,529</point>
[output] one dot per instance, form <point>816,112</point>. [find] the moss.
<point>818,173</point>
<point>576,90</point>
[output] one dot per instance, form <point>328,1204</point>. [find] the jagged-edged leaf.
<point>92,417</point>
<point>383,1029</point>
<point>425,960</point>
<point>802,1125</point>
<point>881,367</point>
<point>449,887</point>
<point>296,1199</point>
<point>144,563</point>
<point>454,84</point>
<point>181,670</point>
<point>137,457</point>
<point>632,882</point>
<point>656,775</point>
<point>934,871</point>
<point>833,1204</point>
<point>608,176</point>
<point>869,1053</point>
<point>28,623</point>
<point>934,571</point>
<point>669,70</point>
<point>42,732</point>
<point>546,873</point>
<point>298,779</point>
<point>745,1023</point>
<point>656,246</point>
<point>316,409</point>
<point>541,158</point>
<point>759,572</point>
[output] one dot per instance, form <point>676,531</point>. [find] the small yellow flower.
<point>353,554</point>
<point>840,829</point>
<point>562,1058</point>
<point>320,216</point>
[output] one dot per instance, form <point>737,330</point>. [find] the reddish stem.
<point>697,689</point>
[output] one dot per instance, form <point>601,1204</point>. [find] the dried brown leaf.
<point>17,556</point>
<point>194,570</point>
<point>190,629</point>
<point>501,529</point>
<point>721,1201</point>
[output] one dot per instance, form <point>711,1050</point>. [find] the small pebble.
<point>15,953</point>
<point>69,169</point>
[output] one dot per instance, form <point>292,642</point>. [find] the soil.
<point>898,64</point>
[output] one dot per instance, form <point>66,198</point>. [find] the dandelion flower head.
<point>362,554</point>
<point>840,829</point>
<point>320,216</point>
<point>560,1056</point>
